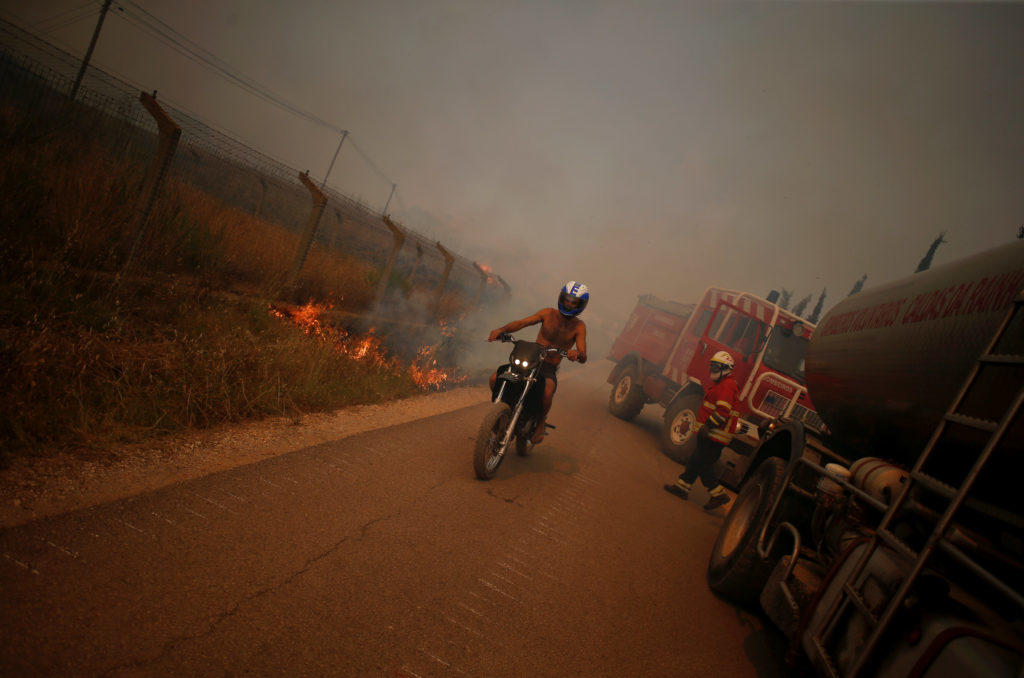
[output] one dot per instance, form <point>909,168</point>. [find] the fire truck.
<point>662,356</point>
<point>891,543</point>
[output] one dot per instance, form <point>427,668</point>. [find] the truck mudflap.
<point>934,638</point>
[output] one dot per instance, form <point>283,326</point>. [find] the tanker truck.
<point>890,542</point>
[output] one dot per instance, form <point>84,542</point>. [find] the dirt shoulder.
<point>33,488</point>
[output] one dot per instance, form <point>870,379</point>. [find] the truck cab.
<point>662,356</point>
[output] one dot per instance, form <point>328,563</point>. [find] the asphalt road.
<point>382,555</point>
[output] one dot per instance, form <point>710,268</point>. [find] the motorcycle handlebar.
<point>507,336</point>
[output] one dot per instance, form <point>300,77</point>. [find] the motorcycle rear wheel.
<point>486,452</point>
<point>524,435</point>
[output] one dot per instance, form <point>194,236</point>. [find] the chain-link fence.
<point>96,183</point>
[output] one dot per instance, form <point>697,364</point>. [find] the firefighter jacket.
<point>718,408</point>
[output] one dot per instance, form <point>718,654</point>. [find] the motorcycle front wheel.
<point>487,453</point>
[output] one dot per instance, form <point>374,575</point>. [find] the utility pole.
<point>323,183</point>
<point>92,46</point>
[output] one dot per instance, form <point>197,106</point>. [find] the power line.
<point>60,16</point>
<point>369,162</point>
<point>137,16</point>
<point>89,12</point>
<point>202,56</point>
<point>145,21</point>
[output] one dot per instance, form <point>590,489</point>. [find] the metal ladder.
<point>853,594</point>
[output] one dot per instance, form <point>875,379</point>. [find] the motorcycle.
<point>515,407</point>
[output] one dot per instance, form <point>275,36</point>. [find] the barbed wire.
<point>137,16</point>
<point>67,18</point>
<point>119,97</point>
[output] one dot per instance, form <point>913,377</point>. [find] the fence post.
<point>483,284</point>
<point>319,202</point>
<point>415,267</point>
<point>170,133</point>
<point>448,261</point>
<point>337,229</point>
<point>263,195</point>
<point>385,276</point>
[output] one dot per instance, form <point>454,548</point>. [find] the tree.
<point>785,296</point>
<point>858,286</point>
<point>816,313</point>
<point>926,261</point>
<point>798,310</point>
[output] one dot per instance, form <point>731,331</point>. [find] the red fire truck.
<point>662,357</point>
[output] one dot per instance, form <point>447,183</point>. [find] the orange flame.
<point>423,369</point>
<point>427,374</point>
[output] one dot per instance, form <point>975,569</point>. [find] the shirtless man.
<point>559,329</point>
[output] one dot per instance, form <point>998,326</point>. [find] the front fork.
<point>516,411</point>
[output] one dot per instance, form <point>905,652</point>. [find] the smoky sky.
<point>641,147</point>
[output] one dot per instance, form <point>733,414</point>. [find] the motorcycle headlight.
<point>524,363</point>
<point>516,361</point>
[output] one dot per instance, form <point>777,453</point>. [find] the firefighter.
<point>715,419</point>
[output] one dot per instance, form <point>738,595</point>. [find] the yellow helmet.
<point>722,362</point>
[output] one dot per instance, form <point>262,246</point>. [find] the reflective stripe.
<point>708,405</point>
<point>725,403</point>
<point>716,491</point>
<point>683,485</point>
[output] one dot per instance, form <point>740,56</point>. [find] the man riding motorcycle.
<point>559,328</point>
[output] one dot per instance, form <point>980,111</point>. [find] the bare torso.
<point>558,331</point>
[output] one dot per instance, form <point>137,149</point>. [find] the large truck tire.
<point>679,433</point>
<point>735,570</point>
<point>627,396</point>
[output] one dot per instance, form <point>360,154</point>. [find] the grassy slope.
<point>87,362</point>
<point>85,367</point>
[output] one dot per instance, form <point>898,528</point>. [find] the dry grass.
<point>67,201</point>
<point>160,358</point>
<point>88,363</point>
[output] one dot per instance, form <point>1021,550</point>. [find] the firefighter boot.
<point>681,488</point>
<point>718,498</point>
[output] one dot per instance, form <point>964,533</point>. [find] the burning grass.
<point>110,370</point>
<point>369,348</point>
<point>180,342</point>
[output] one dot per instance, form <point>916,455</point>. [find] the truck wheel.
<point>735,570</point>
<point>627,396</point>
<point>679,434</point>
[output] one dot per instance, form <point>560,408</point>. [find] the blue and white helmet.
<point>573,298</point>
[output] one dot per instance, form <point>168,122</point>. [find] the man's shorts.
<point>550,372</point>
